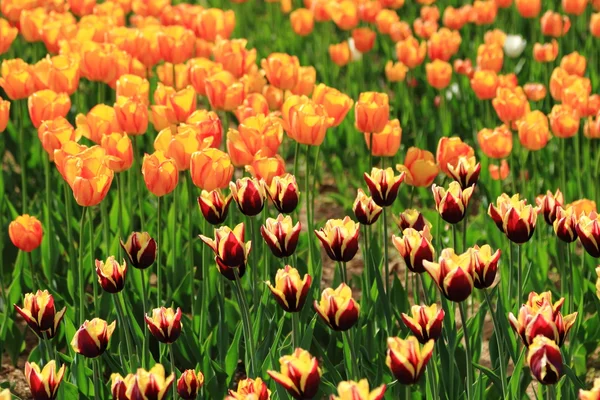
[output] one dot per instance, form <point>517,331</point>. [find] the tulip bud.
<point>249,194</point>
<point>454,274</point>
<point>281,235</point>
<point>452,204</point>
<point>337,308</point>
<point>111,275</point>
<point>160,173</point>
<point>383,185</point>
<point>415,247</point>
<point>365,209</point>
<point>486,266</point>
<point>544,360</point>
<point>412,218</point>
<point>290,291</point>
<point>248,388</point>
<point>118,146</point>
<point>407,359</point>
<point>465,171</point>
<point>358,391</point>
<point>44,383</point>
<point>300,374</point>
<point>120,385</point>
<point>152,384</point>
<point>372,112</point>
<point>514,217</point>
<point>588,230</point>
<point>91,340</point>
<point>565,225</point>
<point>189,384</point>
<point>283,192</point>
<point>336,103</point>
<point>214,206</point>
<point>425,323</point>
<point>229,248</point>
<point>165,324</point>
<point>140,249</point>
<point>549,204</point>
<point>26,233</point>
<point>211,169</point>
<point>339,239</point>
<point>132,115</point>
<point>40,314</point>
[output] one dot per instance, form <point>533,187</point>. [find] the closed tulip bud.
<point>595,25</point>
<point>358,391</point>
<point>283,192</point>
<point>160,173</point>
<point>419,166</point>
<point>575,7</point>
<point>336,103</point>
<point>26,232</point>
<point>546,52</point>
<point>514,217</point>
<point>486,266</point>
<point>387,142</point>
<point>91,340</point>
<point>454,274</point>
<point>306,81</point>
<point>337,308</point>
<point>140,249</point>
<point>211,169</point>
<point>372,112</point>
<point>299,374</point>
<point>290,290</point>
<point>549,204</point>
<point>465,171</point>
<point>407,359</point>
<point>250,389</point>
<point>214,206</point>
<point>545,361</point>
<point>249,194</point>
<point>499,172</point>
<point>364,39</point>
<point>484,83</point>
<point>415,247</point>
<point>229,246</point>
<point>365,209</point>
<point>344,14</point>
<point>339,238</point>
<point>44,383</point>
<point>17,79</point>
<point>510,104</point>
<point>100,121</point>
<point>132,115</point>
<point>588,231</point>
<point>534,131</point>
<point>425,322</point>
<point>452,203</point>
<point>302,21</point>
<point>281,235</point>
<point>165,324</point>
<point>565,225</point>
<point>593,394</point>
<point>119,385</point>
<point>189,384</point>
<point>47,105</point>
<point>151,385</point>
<point>564,121</point>
<point>224,92</point>
<point>111,274</point>
<point>535,91</point>
<point>529,8</point>
<point>484,12</point>
<point>383,185</point>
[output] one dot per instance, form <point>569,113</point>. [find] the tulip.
<point>234,57</point>
<point>100,121</point>
<point>7,35</point>
<point>534,132</point>
<point>250,389</point>
<point>266,168</point>
<point>300,374</point>
<point>384,20</point>
<point>199,70</point>
<point>175,43</point>
<point>211,169</point>
<point>372,112</point>
<point>224,92</point>
<point>554,24</point>
<point>281,235</point>
<point>253,105</point>
<point>40,313</point>
<point>180,143</point>
<point>129,85</point>
<point>515,218</point>
<point>358,391</point>
<point>449,150</point>
<point>214,206</point>
<point>549,204</point>
<point>337,308</point>
<point>425,322</point>
<point>340,53</point>
<point>339,238</point>
<point>582,206</point>
<point>274,96</point>
<point>165,324</point>
<point>452,203</point>
<point>395,72</point>
<point>254,134</point>
<point>588,231</point>
<point>564,121</point>
<point>412,218</point>
<point>424,28</point>
<point>17,79</point>
<point>407,359</point>
<point>443,44</point>
<point>364,39</point>
<point>576,95</point>
<point>544,360</point>
<point>535,91</point>
<point>229,248</point>
<point>465,171</point>
<point>513,47</point>
<point>47,105</point>
<point>151,385</point>
<point>595,25</point>
<point>439,74</point>
<point>344,14</point>
<point>283,192</point>
<point>4,114</point>
<point>308,123</point>
<point>336,103</point>
<point>565,225</point>
<point>281,70</point>
<point>484,83</point>
<point>510,104</point>
<point>26,233</point>
<point>111,274</point>
<point>574,64</point>
<point>383,185</point>
<point>89,178</point>
<point>306,81</point>
<point>486,266</point>
<point>54,133</point>
<point>419,166</point>
<point>302,21</point>
<point>132,115</point>
<point>118,146</point>
<point>387,142</point>
<point>160,173</point>
<point>91,340</point>
<point>454,274</point>
<point>189,384</point>
<point>499,172</point>
<point>575,7</point>
<point>140,249</point>
<point>546,52</point>
<point>249,194</point>
<point>365,209</point>
<point>290,290</point>
<point>44,383</point>
<point>214,22</point>
<point>592,394</point>
<point>528,8</point>
<point>415,247</point>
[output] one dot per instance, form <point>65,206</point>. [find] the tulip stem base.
<point>499,343</point>
<point>469,357</point>
<point>144,300</point>
<point>246,325</point>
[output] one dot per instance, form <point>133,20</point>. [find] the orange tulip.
<point>499,173</point>
<point>564,121</point>
<point>420,167</point>
<point>199,70</point>
<point>260,133</point>
<point>274,97</point>
<point>254,81</point>
<point>59,73</point>
<point>97,61</point>
<point>559,80</point>
<point>253,104</point>
<point>496,143</point>
<point>180,144</point>
<point>533,131</point>
<point>89,178</point>
<point>535,91</point>
<point>7,35</point>
<point>307,77</point>
<point>443,44</point>
<point>4,114</point>
<point>410,52</point>
<point>47,105</point>
<point>484,83</point>
<point>224,92</point>
<point>575,7</point>
<point>454,18</point>
<point>211,169</point>
<point>166,75</point>
<point>308,123</point>
<point>132,115</point>
<point>340,53</point>
<point>214,22</point>
<point>81,7</point>
<point>371,112</point>
<point>72,148</point>
<point>593,106</point>
<point>510,104</point>
<point>574,63</point>
<point>266,168</point>
<point>400,30</point>
<point>26,233</point>
<point>160,173</point>
<point>490,56</point>
<point>387,142</point>
<point>147,8</point>
<point>495,36</point>
<point>393,4</point>
<point>464,67</point>
<point>439,74</point>
<point>449,150</point>
<point>344,14</point>
<point>31,22</point>
<point>207,125</point>
<point>485,12</point>
<point>529,8</point>
<point>281,70</point>
<point>17,79</point>
<point>176,44</point>
<point>368,10</point>
<point>336,103</point>
<point>118,147</point>
<point>54,133</point>
<point>577,95</point>
<point>395,72</point>
<point>554,24</point>
<point>172,106</point>
<point>133,86</point>
<point>424,28</point>
<point>234,57</point>
<point>364,39</point>
<point>302,21</point>
<point>384,20</point>
<point>595,25</point>
<point>100,121</point>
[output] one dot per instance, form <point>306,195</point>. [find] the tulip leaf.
<point>490,374</point>
<point>573,377</point>
<point>232,357</point>
<point>514,382</point>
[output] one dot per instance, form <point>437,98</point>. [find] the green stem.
<point>105,227</point>
<point>69,245</point>
<point>158,255</point>
<point>97,386</point>
<point>34,280</point>
<point>563,170</point>
<point>49,227</point>
<point>173,370</point>
<point>572,276</point>
<point>386,263</point>
<point>138,181</point>
<point>295,330</point>
<point>145,343</point>
<point>366,256</point>
<point>519,276</point>
<point>296,158</point>
<point>246,325</point>
<point>123,325</point>
<point>120,212</point>
<point>92,258</point>
<point>464,233</point>
<point>469,357</point>
<point>498,342</point>
<point>80,278</point>
<point>21,115</point>
<point>254,266</point>
<point>190,250</point>
<point>454,239</point>
<point>407,392</point>
<point>353,361</point>
<point>308,216</point>
<point>174,238</point>
<point>510,275</point>
<point>578,164</point>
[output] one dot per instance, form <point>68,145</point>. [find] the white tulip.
<point>514,45</point>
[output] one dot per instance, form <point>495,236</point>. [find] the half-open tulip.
<point>387,142</point>
<point>365,209</point>
<point>372,112</point>
<point>549,204</point>
<point>299,374</point>
<point>165,324</point>
<point>160,173</point>
<point>545,360</point>
<point>26,232</point>
<point>565,225</point>
<point>395,72</point>
<point>101,120</point>
<point>281,235</point>
<point>132,115</point>
<point>129,85</point>
<point>302,21</point>
<point>529,8</point>
<point>339,238</point>
<point>152,384</point>
<point>140,248</point>
<point>337,308</point>
<point>284,193</point>
<point>54,133</point>
<point>383,185</point>
<point>407,359</point>
<point>514,217</point>
<point>214,206</point>
<point>415,247</point>
<point>449,150</point>
<point>419,166</point>
<point>44,382</point>
<point>250,389</point>
<point>546,52</point>
<point>249,194</point>
<point>453,274</point>
<point>211,169</point>
<point>486,266</point>
<point>484,83</point>
<point>290,290</point>
<point>554,24</point>
<point>564,121</point>
<point>91,340</point>
<point>17,79</point>
<point>510,104</point>
<point>281,70</point>
<point>425,322</point>
<point>111,274</point>
<point>254,134</point>
<point>40,313</point>
<point>336,103</point>
<point>230,249</point>
<point>439,73</point>
<point>465,171</point>
<point>496,143</point>
<point>224,92</point>
<point>340,53</point>
<point>89,178</point>
<point>47,105</point>
<point>588,230</point>
<point>189,384</point>
<point>412,218</point>
<point>452,203</point>
<point>534,131</point>
<point>535,91</point>
<point>118,146</point>
<point>350,390</point>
